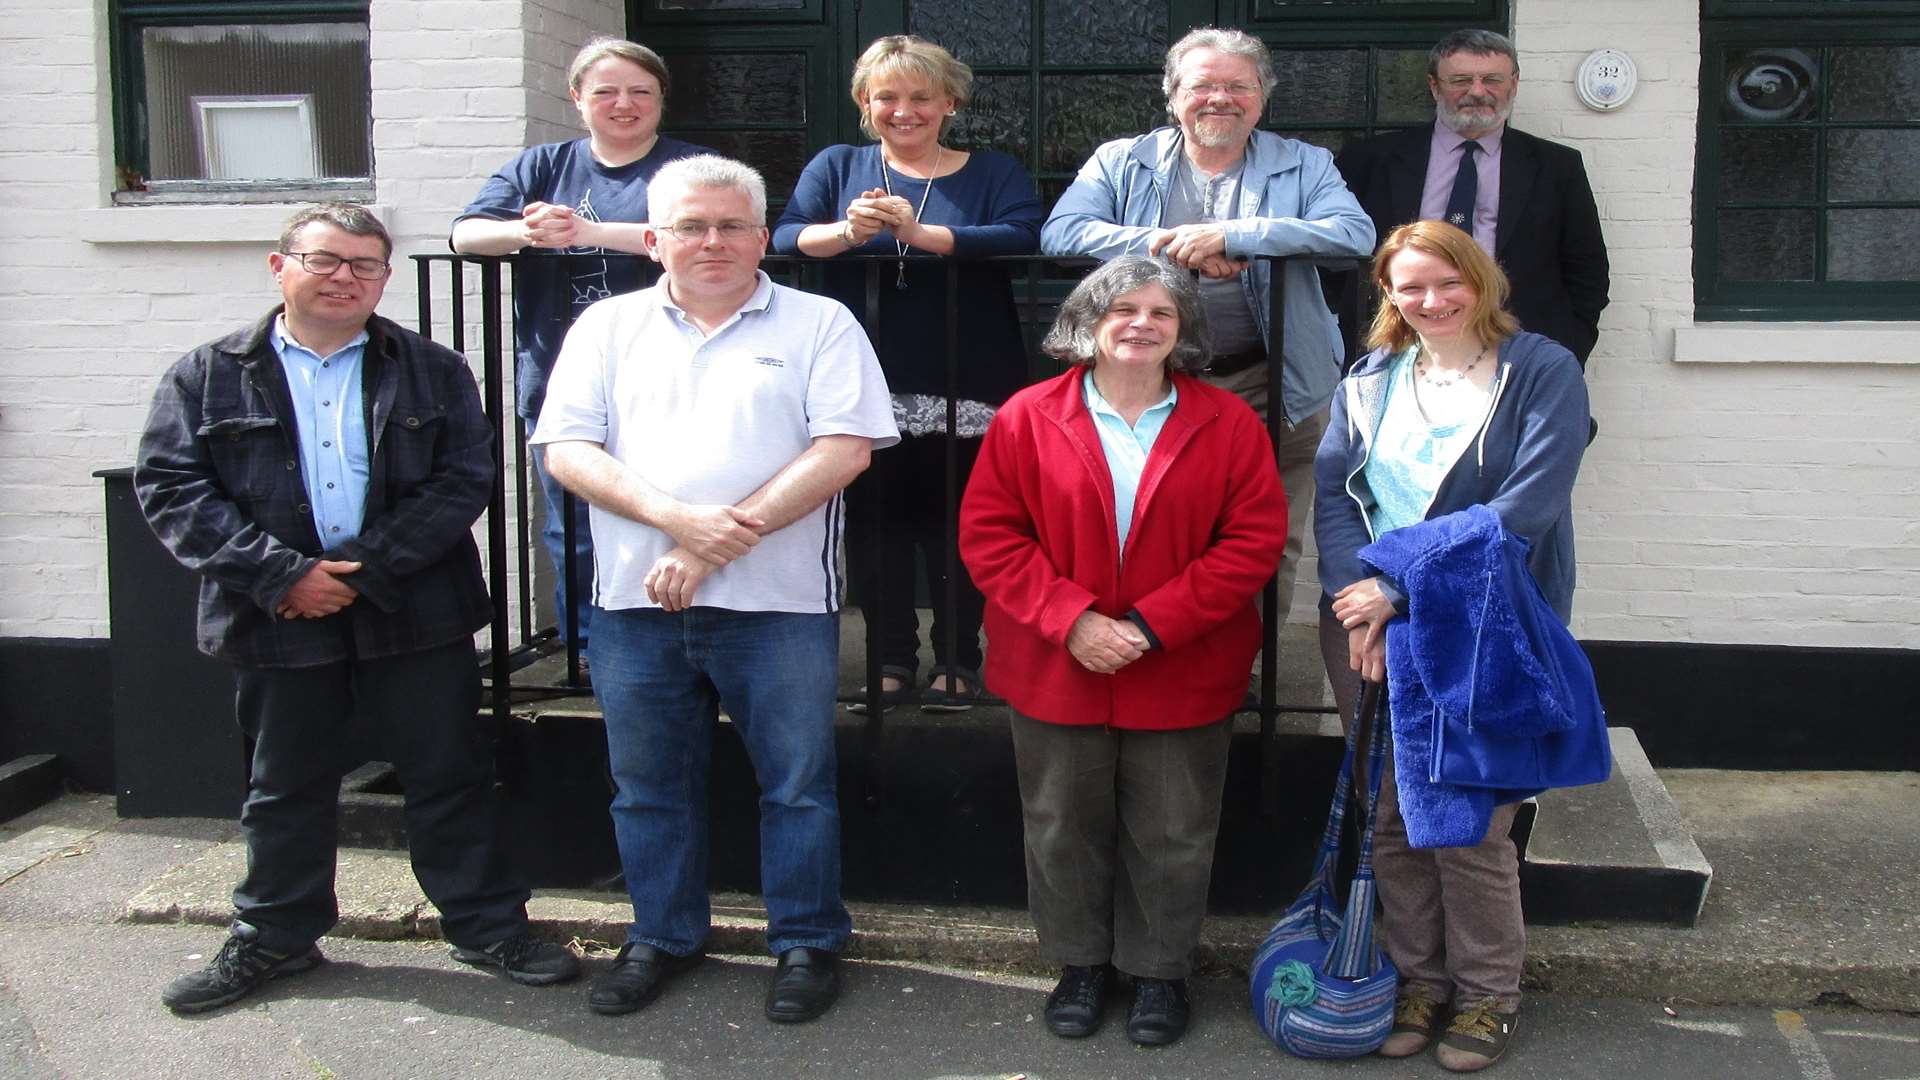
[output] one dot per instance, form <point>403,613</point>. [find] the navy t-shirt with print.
<point>549,293</point>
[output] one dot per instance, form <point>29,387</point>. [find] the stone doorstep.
<point>380,900</point>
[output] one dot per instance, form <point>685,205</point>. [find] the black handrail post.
<point>568,559</point>
<point>497,503</point>
<point>951,463</point>
<point>523,538</point>
<point>871,731</point>
<point>1270,593</point>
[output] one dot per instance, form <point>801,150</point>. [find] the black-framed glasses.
<point>323,263</point>
<point>692,232</point>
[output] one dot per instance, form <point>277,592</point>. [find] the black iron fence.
<point>1041,282</point>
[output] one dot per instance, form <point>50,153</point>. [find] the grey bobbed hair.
<point>1072,337</point>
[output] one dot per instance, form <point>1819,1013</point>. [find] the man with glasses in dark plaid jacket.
<point>321,471</point>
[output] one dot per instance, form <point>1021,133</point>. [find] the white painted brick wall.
<point>1767,503</point>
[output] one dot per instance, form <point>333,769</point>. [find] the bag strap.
<point>1370,724</point>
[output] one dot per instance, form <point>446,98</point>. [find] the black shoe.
<point>804,986</point>
<point>1159,1012</point>
<point>1078,1003</point>
<point>524,960</point>
<point>637,974</point>
<point>243,964</point>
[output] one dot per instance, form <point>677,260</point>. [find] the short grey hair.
<point>1072,336</point>
<point>1477,42</point>
<point>682,175</point>
<point>347,217</point>
<point>1219,39</point>
<point>633,52</point>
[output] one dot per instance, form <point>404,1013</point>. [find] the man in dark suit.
<point>1526,200</point>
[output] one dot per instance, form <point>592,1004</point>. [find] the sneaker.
<point>1078,1003</point>
<point>1159,1012</point>
<point>242,965</point>
<point>1416,1021</point>
<point>1477,1037</point>
<point>524,959</point>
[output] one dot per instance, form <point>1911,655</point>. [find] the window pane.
<point>1867,165</point>
<point>731,5</point>
<point>1769,85</point>
<point>1766,245</point>
<point>1766,166</point>
<point>1876,84</point>
<point>1331,141</point>
<point>997,118</point>
<point>1873,245</point>
<point>779,155</point>
<point>979,32</point>
<point>1404,97</point>
<point>1107,32</point>
<point>1319,86</point>
<point>231,65</point>
<point>1083,111</point>
<point>738,88</point>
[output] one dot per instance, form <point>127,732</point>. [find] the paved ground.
<point>1816,896</point>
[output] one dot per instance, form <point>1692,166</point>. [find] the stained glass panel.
<point>1873,165</point>
<point>738,88</point>
<point>1319,86</point>
<point>1110,32</point>
<point>1766,245</point>
<point>979,32</point>
<point>1876,83</point>
<point>998,118</point>
<point>1404,97</point>
<point>1079,112</point>
<point>1760,165</point>
<point>1873,245</point>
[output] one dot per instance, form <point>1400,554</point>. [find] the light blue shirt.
<point>1410,457</point>
<point>1126,446</point>
<point>330,418</point>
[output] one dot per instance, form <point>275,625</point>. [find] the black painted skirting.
<point>56,697</point>
<point>1763,707</point>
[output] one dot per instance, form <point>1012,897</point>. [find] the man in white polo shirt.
<point>711,422</point>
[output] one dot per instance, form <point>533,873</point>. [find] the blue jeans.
<point>553,534</point>
<point>661,678</point>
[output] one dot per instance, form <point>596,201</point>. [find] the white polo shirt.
<point>709,419</point>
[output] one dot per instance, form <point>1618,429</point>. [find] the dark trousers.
<point>895,508</point>
<point>1120,827</point>
<point>423,709</point>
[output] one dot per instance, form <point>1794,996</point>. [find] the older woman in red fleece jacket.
<point>1120,520</point>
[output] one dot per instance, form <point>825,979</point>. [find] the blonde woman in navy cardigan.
<point>909,194</point>
<point>1454,407</point>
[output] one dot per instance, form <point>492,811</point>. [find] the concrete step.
<point>1618,850</point>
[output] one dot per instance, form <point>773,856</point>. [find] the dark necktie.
<point>1466,188</point>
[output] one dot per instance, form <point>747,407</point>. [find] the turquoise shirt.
<point>1126,446</point>
<point>331,420</point>
<point>1410,457</point>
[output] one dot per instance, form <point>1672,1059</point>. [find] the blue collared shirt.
<point>1126,446</point>
<point>330,417</point>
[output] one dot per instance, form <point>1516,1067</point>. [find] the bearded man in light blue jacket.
<point>1210,194</point>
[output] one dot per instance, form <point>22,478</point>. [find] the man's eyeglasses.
<point>692,232</point>
<point>1465,82</point>
<point>1231,89</point>
<point>324,263</point>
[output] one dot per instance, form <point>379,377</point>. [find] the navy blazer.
<point>1548,237</point>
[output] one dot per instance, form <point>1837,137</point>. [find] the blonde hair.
<point>1489,318</point>
<point>919,58</point>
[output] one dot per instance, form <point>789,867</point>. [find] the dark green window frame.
<point>128,18</point>
<point>1815,28</point>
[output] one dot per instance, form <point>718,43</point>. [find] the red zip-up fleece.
<point>1037,532</point>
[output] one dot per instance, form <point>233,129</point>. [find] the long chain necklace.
<point>886,181</point>
<point>1423,367</point>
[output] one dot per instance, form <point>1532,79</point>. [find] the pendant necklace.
<point>886,181</point>
<point>1423,367</point>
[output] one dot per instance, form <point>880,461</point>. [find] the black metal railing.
<point>1044,282</point>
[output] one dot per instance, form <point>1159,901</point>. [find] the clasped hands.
<point>549,225</point>
<point>708,537</point>
<point>319,592</point>
<point>1364,610</point>
<point>1201,247</point>
<point>875,212</point>
<point>1103,645</point>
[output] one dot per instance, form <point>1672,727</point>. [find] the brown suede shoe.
<point>1416,1021</point>
<point>1477,1037</point>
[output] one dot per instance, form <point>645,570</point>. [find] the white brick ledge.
<point>248,223</point>
<point>1797,343</point>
